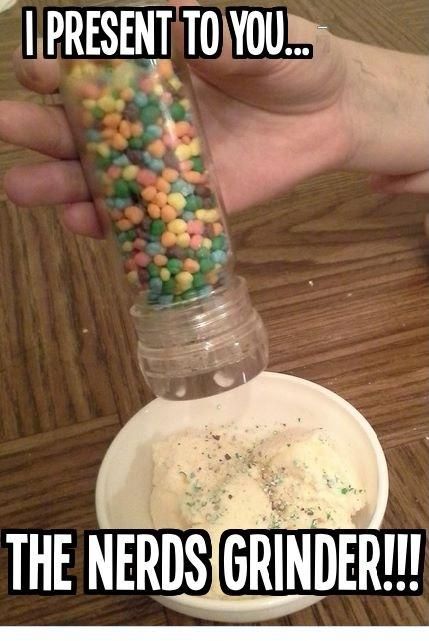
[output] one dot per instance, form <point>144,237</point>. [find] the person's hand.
<point>269,123</point>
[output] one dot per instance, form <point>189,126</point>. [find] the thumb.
<point>214,70</point>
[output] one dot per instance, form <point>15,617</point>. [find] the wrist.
<point>383,103</point>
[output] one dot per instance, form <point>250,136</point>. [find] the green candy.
<point>146,139</point>
<point>189,295</point>
<point>103,163</point>
<point>153,270</point>
<point>218,242</point>
<point>97,113</point>
<point>177,111</point>
<point>197,164</point>
<point>121,189</point>
<point>136,143</point>
<point>168,287</point>
<point>199,280</point>
<point>174,266</point>
<point>203,252</point>
<point>157,228</point>
<point>150,114</point>
<point>134,187</point>
<point>125,236</point>
<point>193,203</point>
<point>206,265</point>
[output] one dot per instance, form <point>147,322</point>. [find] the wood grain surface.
<point>340,277</point>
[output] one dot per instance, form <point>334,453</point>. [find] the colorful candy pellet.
<point>140,137</point>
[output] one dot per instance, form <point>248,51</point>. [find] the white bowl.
<point>125,478</point>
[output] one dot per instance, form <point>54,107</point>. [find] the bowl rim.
<point>263,602</point>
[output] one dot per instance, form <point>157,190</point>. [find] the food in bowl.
<point>261,477</point>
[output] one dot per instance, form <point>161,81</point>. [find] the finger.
<point>413,184</point>
<point>43,129</point>
<point>38,74</point>
<point>81,218</point>
<point>50,183</point>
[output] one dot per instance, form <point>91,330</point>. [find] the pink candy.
<point>196,241</point>
<point>141,259</point>
<point>114,172</point>
<point>146,177</point>
<point>195,227</point>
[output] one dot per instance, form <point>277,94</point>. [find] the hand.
<point>269,125</point>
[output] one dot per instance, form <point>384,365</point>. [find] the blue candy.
<point>219,256</point>
<point>155,285</point>
<point>121,203</point>
<point>157,165</point>
<point>92,135</point>
<point>141,99</point>
<point>181,186</point>
<point>205,291</point>
<point>154,248</point>
<point>122,161</point>
<point>154,130</point>
<point>166,299</point>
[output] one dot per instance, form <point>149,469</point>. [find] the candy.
<point>157,228</point>
<point>134,214</point>
<point>191,266</point>
<point>177,226</point>
<point>184,280</point>
<point>207,215</point>
<point>183,152</point>
<point>130,172</point>
<point>196,241</point>
<point>168,239</point>
<point>176,200</point>
<point>139,134</point>
<point>183,240</point>
<point>149,193</point>
<point>196,227</point>
<point>154,211</point>
<point>170,175</point>
<point>141,259</point>
<point>168,213</point>
<point>150,114</point>
<point>164,274</point>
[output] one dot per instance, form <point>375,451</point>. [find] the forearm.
<point>387,100</point>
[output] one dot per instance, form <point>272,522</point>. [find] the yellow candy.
<point>107,104</point>
<point>133,278</point>
<point>158,90</point>
<point>119,105</point>
<point>164,274</point>
<point>89,104</point>
<point>176,200</point>
<point>183,152</point>
<point>175,83</point>
<point>103,149</point>
<point>92,146</point>
<point>207,243</point>
<point>183,240</point>
<point>186,103</point>
<point>207,215</point>
<point>195,147</point>
<point>127,247</point>
<point>184,281</point>
<point>130,172</point>
<point>212,278</point>
<point>177,226</point>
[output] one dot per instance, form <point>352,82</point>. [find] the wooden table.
<point>344,296</point>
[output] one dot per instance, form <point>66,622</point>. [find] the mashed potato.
<point>255,478</point>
